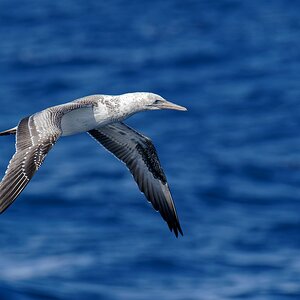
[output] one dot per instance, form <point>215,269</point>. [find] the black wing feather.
<point>140,156</point>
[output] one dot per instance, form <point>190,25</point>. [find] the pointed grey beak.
<point>170,105</point>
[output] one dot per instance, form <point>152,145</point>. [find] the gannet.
<point>101,116</point>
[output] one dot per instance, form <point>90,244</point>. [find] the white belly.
<point>79,120</point>
<point>85,119</point>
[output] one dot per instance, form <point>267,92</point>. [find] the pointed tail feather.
<point>9,131</point>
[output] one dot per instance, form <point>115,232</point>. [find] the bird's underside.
<point>33,143</point>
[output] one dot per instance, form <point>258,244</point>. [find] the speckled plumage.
<point>101,116</point>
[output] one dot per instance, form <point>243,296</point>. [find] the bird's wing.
<point>35,136</point>
<point>32,147</point>
<point>139,155</point>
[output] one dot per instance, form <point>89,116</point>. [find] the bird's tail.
<point>9,131</point>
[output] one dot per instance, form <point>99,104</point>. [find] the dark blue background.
<point>81,229</point>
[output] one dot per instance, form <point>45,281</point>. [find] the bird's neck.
<point>126,105</point>
<point>116,108</point>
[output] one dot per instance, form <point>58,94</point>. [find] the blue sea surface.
<point>81,229</point>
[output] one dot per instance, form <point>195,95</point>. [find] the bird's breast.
<point>85,119</point>
<point>79,120</point>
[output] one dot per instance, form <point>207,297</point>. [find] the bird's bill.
<point>170,105</point>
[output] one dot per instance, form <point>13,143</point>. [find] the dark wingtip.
<point>175,228</point>
<point>178,229</point>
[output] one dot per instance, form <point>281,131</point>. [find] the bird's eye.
<point>157,102</point>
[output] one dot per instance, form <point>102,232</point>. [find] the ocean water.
<point>81,229</point>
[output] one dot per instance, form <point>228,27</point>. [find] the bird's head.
<point>150,101</point>
<point>155,102</point>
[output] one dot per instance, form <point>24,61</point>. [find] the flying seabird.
<point>101,116</point>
